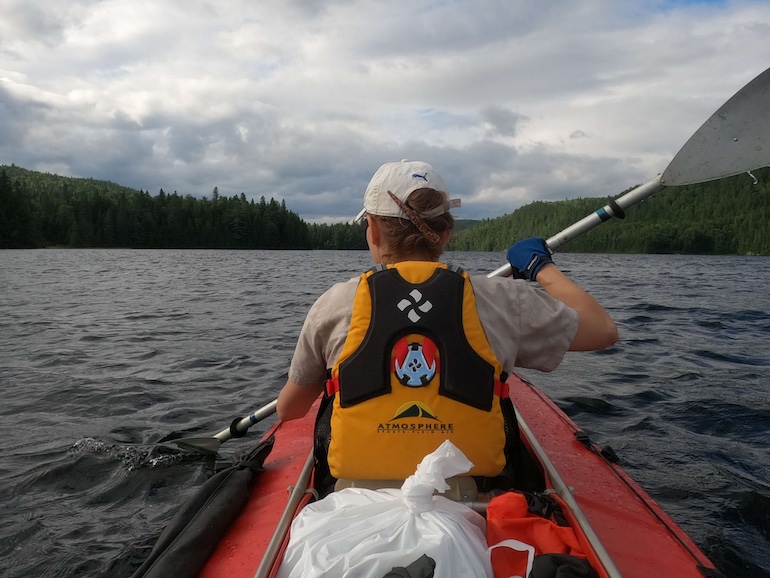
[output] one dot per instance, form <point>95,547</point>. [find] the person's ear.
<point>373,230</point>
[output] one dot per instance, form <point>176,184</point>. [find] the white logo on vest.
<point>413,315</point>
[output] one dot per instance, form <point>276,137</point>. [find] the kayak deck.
<point>641,539</point>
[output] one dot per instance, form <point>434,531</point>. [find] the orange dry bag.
<point>531,519</point>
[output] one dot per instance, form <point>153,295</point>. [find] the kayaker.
<point>417,351</point>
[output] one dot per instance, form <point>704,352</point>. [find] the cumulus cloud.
<point>511,100</point>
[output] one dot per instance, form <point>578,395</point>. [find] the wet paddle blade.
<point>237,429</point>
<point>734,140</point>
<point>206,445</point>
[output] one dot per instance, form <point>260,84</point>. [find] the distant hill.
<point>49,182</point>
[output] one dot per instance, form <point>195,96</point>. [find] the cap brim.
<point>359,218</point>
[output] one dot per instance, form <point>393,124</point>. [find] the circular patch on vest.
<point>415,360</point>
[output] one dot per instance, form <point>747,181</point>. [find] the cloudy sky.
<point>302,100</point>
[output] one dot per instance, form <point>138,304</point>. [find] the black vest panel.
<point>464,375</point>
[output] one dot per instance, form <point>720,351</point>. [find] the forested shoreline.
<point>45,210</point>
<point>729,216</point>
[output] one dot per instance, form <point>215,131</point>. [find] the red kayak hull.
<point>641,539</point>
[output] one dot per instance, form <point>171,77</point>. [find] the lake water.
<point>104,353</point>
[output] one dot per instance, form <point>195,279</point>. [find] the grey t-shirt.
<point>525,327</point>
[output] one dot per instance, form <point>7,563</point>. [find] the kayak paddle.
<point>732,141</point>
<point>237,429</point>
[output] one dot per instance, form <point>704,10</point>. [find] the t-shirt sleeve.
<point>322,335</point>
<point>525,326</point>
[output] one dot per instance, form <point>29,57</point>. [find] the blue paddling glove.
<point>528,256</point>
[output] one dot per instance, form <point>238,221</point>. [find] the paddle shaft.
<point>615,208</point>
<point>240,427</point>
<point>731,141</point>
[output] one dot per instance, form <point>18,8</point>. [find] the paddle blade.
<point>206,445</point>
<point>734,140</point>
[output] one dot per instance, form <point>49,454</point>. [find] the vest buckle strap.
<point>332,386</point>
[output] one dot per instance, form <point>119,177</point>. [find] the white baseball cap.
<point>402,179</point>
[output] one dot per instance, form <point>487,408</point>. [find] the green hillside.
<point>729,216</point>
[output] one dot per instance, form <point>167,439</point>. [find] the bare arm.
<point>295,400</point>
<point>596,330</point>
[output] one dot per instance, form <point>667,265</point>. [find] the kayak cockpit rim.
<point>565,494</point>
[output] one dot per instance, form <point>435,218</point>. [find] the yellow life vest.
<point>416,369</point>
